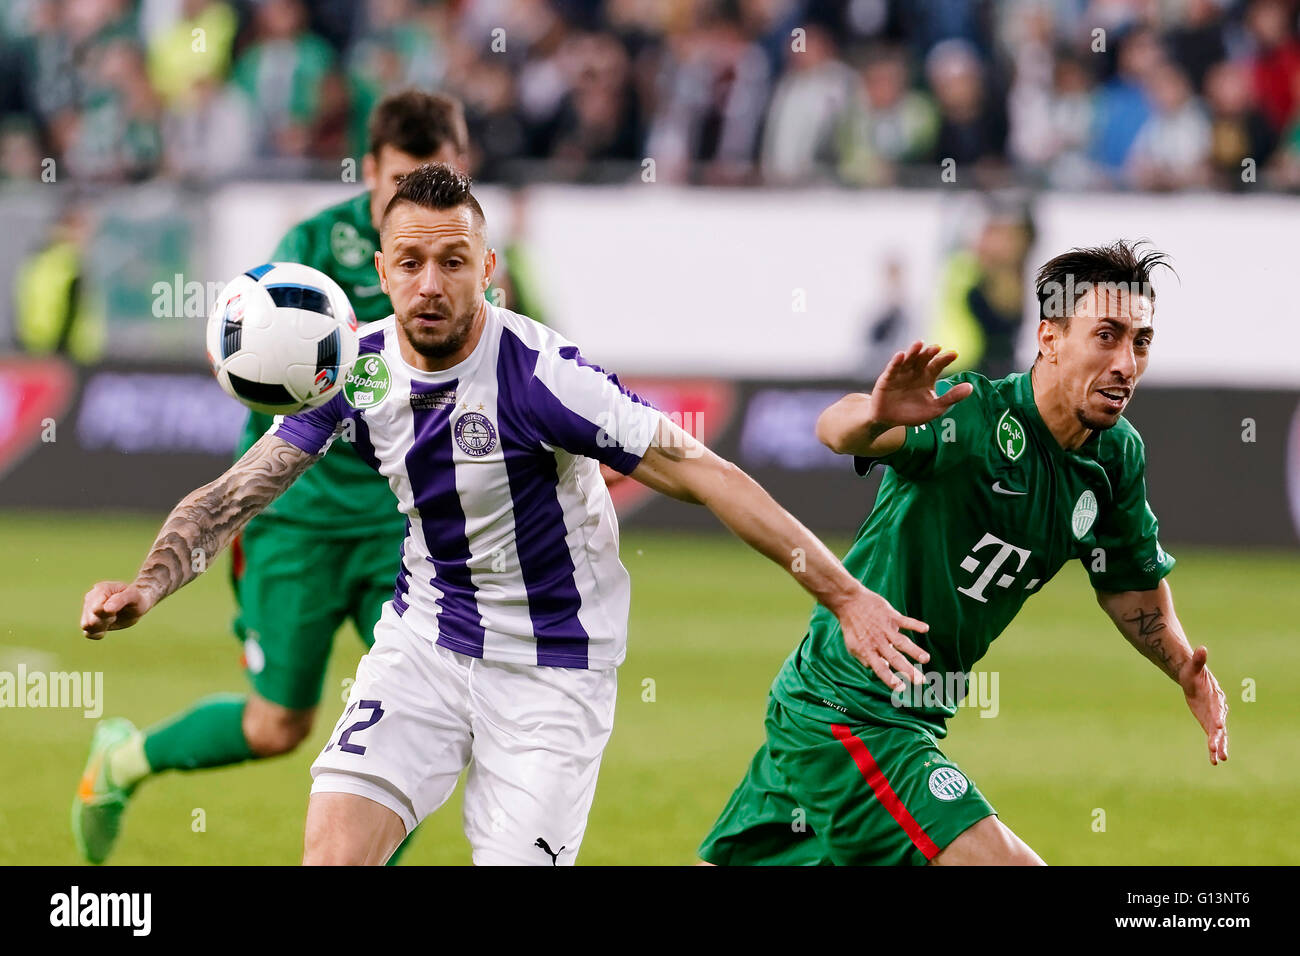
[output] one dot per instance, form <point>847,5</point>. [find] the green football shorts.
<point>294,588</point>
<point>820,794</point>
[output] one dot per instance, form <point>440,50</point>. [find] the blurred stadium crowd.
<point>1170,94</point>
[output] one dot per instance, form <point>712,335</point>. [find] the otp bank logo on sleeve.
<point>367,382</point>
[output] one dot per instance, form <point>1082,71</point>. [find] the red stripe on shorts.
<point>883,791</point>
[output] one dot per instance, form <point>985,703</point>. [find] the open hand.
<point>873,633</point>
<point>904,393</point>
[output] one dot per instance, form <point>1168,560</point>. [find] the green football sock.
<point>209,734</point>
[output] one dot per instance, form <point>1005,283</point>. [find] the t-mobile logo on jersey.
<point>1005,551</point>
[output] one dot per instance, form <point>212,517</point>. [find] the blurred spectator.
<point>1285,166</point>
<point>282,73</point>
<point>20,153</point>
<point>717,82</point>
<point>1237,129</point>
<point>1276,62</point>
<point>1122,105</point>
<point>116,136</point>
<point>210,133</point>
<point>497,133</point>
<point>712,90</point>
<point>1051,127</point>
<point>887,125</point>
<point>398,47</point>
<point>983,293</point>
<point>55,312</point>
<point>599,119</point>
<point>1172,150</point>
<point>887,329</point>
<point>972,125</point>
<point>806,108</point>
<point>1197,43</point>
<point>197,46</point>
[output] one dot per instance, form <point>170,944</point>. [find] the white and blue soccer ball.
<point>281,338</point>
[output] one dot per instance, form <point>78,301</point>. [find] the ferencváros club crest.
<point>1085,513</point>
<point>947,783</point>
<point>475,434</point>
<point>1010,435</point>
<point>367,382</point>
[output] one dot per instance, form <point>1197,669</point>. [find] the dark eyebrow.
<point>1119,326</point>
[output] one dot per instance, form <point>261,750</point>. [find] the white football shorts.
<point>532,738</point>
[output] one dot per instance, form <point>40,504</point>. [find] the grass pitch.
<point>1086,727</point>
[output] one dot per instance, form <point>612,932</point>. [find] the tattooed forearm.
<point>1146,629</point>
<point>208,519</point>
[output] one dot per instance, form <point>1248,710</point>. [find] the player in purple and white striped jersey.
<point>511,551</point>
<point>498,651</point>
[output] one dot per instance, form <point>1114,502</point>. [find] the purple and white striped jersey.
<point>511,550</point>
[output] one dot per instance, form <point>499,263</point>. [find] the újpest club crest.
<point>1010,435</point>
<point>475,434</point>
<point>367,382</point>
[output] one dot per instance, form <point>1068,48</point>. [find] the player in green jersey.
<point>991,487</point>
<point>325,552</point>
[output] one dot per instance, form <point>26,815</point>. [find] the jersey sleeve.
<point>313,430</point>
<point>1128,555</point>
<point>940,444</point>
<point>581,408</point>
<point>293,247</point>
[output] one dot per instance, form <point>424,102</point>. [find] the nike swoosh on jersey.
<point>997,486</point>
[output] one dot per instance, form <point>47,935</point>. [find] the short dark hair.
<point>418,123</point>
<point>1064,280</point>
<point>435,186</point>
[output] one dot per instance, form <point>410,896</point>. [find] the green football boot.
<point>99,804</point>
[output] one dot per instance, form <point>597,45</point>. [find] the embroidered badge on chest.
<point>475,434</point>
<point>1085,513</point>
<point>1010,435</point>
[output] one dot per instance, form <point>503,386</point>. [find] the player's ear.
<point>489,267</point>
<point>379,267</point>
<point>1048,339</point>
<point>369,170</point>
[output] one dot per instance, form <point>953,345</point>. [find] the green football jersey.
<point>978,510</point>
<point>341,492</point>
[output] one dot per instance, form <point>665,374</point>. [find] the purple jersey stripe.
<point>544,560</point>
<point>432,473</point>
<point>403,585</point>
<point>361,443</point>
<point>571,353</point>
<point>311,430</point>
<point>553,421</point>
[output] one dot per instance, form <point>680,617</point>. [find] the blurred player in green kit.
<point>326,552</point>
<point>991,487</point>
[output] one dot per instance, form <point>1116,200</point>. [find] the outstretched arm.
<point>1148,621</point>
<point>681,467</point>
<point>205,521</point>
<point>871,426</point>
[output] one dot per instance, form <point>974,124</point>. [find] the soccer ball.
<point>281,338</point>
